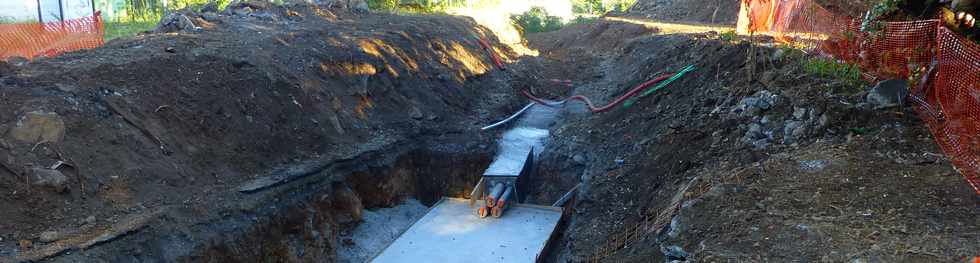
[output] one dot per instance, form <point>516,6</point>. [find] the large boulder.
<point>346,200</point>
<point>176,22</point>
<point>356,5</point>
<point>50,236</point>
<point>888,93</point>
<point>756,104</point>
<point>49,179</point>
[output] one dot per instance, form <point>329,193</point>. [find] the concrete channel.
<point>461,230</point>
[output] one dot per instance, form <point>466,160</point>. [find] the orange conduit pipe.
<point>588,102</point>
<point>493,55</point>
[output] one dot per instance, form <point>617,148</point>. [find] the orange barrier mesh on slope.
<point>796,21</point>
<point>955,99</point>
<point>898,48</point>
<point>30,40</point>
<point>949,102</point>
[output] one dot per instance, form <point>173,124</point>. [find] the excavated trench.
<point>356,214</point>
<point>351,209</point>
<point>315,221</point>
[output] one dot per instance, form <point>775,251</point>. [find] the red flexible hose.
<point>609,106</point>
<point>493,55</point>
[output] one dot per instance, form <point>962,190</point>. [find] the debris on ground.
<point>888,93</point>
<point>49,179</point>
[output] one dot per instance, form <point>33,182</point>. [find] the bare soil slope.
<point>783,166</point>
<point>700,11</point>
<point>162,131</point>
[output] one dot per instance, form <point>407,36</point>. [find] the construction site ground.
<point>273,131</point>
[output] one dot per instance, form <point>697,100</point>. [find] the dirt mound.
<point>178,121</point>
<point>701,11</point>
<point>777,167</point>
<point>601,37</point>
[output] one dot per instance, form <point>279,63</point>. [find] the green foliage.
<point>849,75</point>
<point>620,6</point>
<point>858,130</point>
<point>600,7</point>
<point>142,10</point>
<point>728,36</point>
<point>116,29</point>
<point>883,7</point>
<point>384,5</point>
<point>872,21</point>
<point>588,7</point>
<point>791,53</point>
<point>536,20</point>
<point>847,78</point>
<point>197,5</point>
<point>419,6</point>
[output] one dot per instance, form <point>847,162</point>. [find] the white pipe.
<point>564,198</point>
<point>491,126</point>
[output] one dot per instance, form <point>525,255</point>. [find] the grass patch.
<point>117,29</point>
<point>849,75</point>
<point>847,78</point>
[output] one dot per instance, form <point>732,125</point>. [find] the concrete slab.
<point>451,232</point>
<point>530,132</point>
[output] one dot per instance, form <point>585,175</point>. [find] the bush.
<point>620,6</point>
<point>536,20</point>
<point>594,7</point>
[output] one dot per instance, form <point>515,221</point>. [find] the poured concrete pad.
<point>377,229</point>
<point>451,232</point>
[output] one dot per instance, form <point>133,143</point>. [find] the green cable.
<point>631,101</point>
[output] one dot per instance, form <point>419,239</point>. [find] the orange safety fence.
<point>946,64</point>
<point>30,40</point>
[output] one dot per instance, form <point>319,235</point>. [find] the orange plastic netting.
<point>30,40</point>
<point>949,65</point>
